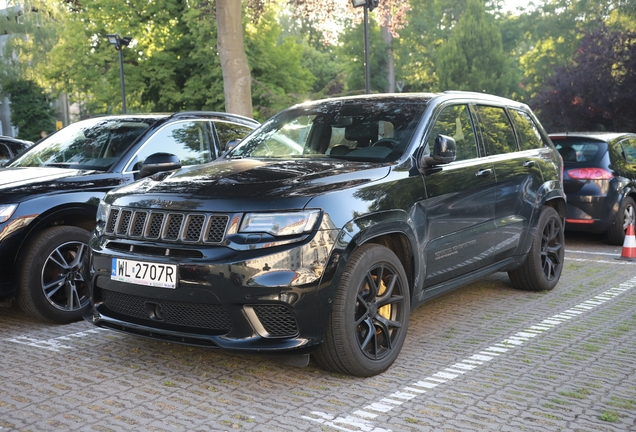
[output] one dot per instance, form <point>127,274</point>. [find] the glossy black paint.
<point>593,205</point>
<point>448,224</point>
<point>49,196</point>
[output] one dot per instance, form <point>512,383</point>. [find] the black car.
<point>323,229</point>
<point>49,196</point>
<point>11,147</point>
<point>599,180</point>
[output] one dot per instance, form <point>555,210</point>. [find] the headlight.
<point>280,224</point>
<point>6,211</point>
<point>102,211</point>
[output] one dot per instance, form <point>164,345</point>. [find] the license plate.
<point>144,273</point>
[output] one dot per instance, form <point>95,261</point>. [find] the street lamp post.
<point>119,44</point>
<point>368,5</point>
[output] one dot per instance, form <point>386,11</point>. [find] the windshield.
<point>93,144</point>
<point>365,130</point>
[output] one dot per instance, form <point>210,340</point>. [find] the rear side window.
<point>629,149</point>
<point>527,131</point>
<point>499,138</point>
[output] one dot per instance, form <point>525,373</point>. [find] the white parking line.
<point>360,420</point>
<point>53,344</point>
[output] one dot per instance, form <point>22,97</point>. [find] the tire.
<point>543,265</point>
<point>626,216</point>
<point>369,321</point>
<point>52,286</point>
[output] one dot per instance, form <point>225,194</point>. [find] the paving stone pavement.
<point>484,357</point>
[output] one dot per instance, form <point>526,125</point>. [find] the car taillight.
<point>590,174</point>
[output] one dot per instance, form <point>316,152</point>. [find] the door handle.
<point>529,164</point>
<point>484,172</point>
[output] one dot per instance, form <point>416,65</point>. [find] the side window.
<point>229,131</point>
<point>188,140</point>
<point>4,152</point>
<point>499,138</point>
<point>454,121</point>
<point>527,131</point>
<point>629,149</point>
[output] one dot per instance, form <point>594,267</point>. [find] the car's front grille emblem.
<point>167,226</point>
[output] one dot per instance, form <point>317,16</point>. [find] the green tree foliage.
<point>473,57</point>
<point>30,110</point>
<point>279,78</point>
<point>351,56</point>
<point>172,62</point>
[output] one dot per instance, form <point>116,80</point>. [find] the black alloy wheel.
<point>543,266</point>
<point>370,314</point>
<point>53,287</point>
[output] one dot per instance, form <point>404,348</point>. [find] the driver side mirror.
<point>444,151</point>
<point>158,162</point>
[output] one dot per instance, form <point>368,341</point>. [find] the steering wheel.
<point>386,142</point>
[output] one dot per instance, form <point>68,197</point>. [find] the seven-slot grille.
<point>166,226</point>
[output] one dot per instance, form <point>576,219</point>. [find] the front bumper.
<point>266,300</point>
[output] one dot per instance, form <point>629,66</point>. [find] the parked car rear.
<point>599,181</point>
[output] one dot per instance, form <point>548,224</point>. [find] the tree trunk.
<point>390,65</point>
<point>237,80</point>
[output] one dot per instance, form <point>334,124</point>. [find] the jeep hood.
<point>236,184</point>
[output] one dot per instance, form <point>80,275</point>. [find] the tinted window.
<point>89,144</point>
<point>5,154</point>
<point>454,121</point>
<point>579,150</point>
<point>230,131</point>
<point>496,130</point>
<point>189,141</point>
<point>629,149</point>
<point>355,130</point>
<point>527,131</point>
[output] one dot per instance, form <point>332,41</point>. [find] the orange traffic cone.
<point>629,245</point>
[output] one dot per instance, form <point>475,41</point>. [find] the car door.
<point>460,205</point>
<point>518,172</point>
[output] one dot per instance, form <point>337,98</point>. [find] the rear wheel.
<point>542,269</point>
<point>370,314</point>
<point>626,216</point>
<point>52,285</point>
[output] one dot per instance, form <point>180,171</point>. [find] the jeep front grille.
<point>166,225</point>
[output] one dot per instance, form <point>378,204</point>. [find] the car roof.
<point>15,140</point>
<point>182,114</point>
<point>600,135</point>
<point>419,97</point>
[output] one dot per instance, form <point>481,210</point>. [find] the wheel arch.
<point>392,229</point>
<point>80,215</point>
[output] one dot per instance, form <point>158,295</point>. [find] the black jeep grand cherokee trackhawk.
<point>322,229</point>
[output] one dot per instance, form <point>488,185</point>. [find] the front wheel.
<point>543,266</point>
<point>52,285</point>
<point>626,216</point>
<point>370,314</point>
